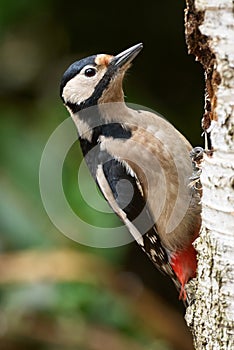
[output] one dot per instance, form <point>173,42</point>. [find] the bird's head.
<point>96,79</point>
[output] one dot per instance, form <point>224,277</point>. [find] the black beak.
<point>126,56</point>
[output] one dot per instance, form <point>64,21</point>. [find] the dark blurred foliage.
<point>38,40</point>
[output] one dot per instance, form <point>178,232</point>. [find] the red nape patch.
<point>184,264</point>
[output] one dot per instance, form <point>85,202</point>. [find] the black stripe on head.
<point>101,86</point>
<point>98,91</point>
<point>75,69</point>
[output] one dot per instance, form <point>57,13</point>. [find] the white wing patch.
<point>106,190</point>
<point>128,168</point>
<point>104,143</point>
<point>133,174</point>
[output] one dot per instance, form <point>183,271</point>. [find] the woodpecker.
<point>139,161</point>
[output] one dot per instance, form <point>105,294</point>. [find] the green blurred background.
<point>56,293</point>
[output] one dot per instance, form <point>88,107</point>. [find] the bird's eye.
<point>90,72</point>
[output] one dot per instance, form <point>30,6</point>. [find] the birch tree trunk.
<point>209,27</point>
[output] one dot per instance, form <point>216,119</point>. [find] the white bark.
<point>211,317</point>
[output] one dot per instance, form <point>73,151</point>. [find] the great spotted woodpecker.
<point>139,160</point>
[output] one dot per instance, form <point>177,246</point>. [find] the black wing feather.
<point>137,211</point>
<point>125,191</point>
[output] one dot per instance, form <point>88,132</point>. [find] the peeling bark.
<point>209,29</point>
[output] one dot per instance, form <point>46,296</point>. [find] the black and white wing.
<point>122,190</point>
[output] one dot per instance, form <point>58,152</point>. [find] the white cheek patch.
<point>80,88</point>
